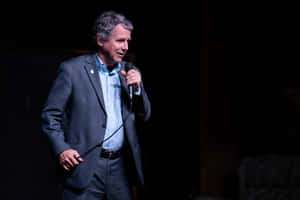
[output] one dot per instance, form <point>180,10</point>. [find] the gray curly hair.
<point>106,22</point>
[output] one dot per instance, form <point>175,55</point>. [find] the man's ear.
<point>99,41</point>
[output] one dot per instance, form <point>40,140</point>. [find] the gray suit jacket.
<point>74,116</point>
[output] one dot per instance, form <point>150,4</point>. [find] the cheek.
<point>110,48</point>
<point>113,50</point>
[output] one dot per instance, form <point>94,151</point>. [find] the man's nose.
<point>125,46</point>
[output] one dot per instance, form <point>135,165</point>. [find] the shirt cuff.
<point>138,93</point>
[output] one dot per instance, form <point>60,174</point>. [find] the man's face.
<point>116,47</point>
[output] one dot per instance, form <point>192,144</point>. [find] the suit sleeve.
<point>54,109</point>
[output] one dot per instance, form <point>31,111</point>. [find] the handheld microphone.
<point>129,66</point>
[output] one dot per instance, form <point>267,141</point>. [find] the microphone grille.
<point>128,66</point>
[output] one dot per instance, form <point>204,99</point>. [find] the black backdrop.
<point>37,35</point>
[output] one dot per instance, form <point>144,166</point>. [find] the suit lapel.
<point>92,71</point>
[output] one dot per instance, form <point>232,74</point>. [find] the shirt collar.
<point>102,67</point>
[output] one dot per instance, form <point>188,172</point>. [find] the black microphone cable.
<point>105,139</point>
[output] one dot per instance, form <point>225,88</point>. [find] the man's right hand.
<point>70,158</point>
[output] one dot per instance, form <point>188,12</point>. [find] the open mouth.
<point>120,54</point>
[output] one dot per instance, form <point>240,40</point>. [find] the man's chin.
<point>117,60</point>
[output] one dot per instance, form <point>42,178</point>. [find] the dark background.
<point>36,36</point>
<point>211,106</point>
<point>191,74</point>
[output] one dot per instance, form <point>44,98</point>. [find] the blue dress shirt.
<point>111,88</point>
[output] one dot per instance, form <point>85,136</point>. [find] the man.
<point>89,116</point>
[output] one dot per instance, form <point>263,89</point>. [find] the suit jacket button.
<point>103,126</point>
